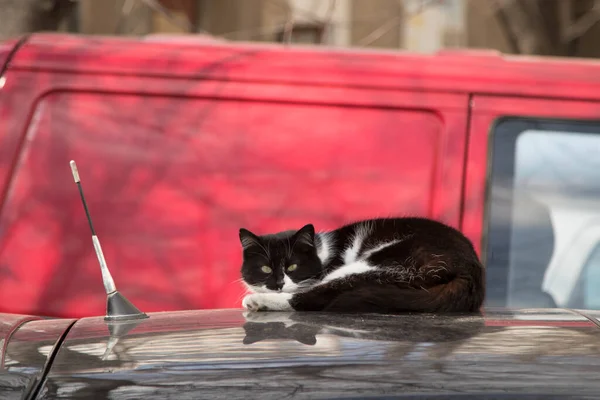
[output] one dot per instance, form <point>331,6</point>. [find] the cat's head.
<point>285,261</point>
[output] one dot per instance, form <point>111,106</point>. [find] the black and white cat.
<point>378,265</point>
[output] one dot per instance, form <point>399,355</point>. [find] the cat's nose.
<point>277,286</point>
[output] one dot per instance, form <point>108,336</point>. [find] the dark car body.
<point>232,354</point>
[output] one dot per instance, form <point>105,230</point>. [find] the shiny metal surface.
<point>8,324</point>
<point>236,355</point>
<point>593,315</point>
<point>27,353</point>
<point>9,384</point>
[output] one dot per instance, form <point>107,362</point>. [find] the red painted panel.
<point>449,71</point>
<point>173,168</point>
<point>486,111</point>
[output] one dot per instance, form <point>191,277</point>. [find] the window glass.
<point>544,216</point>
<point>586,290</point>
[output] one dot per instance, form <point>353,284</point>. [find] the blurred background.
<point>543,27</point>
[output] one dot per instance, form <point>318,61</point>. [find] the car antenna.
<point>118,308</point>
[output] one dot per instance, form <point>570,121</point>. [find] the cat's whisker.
<point>241,297</point>
<point>237,281</point>
<point>289,247</point>
<point>265,250</point>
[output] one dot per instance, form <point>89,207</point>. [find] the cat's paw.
<point>267,302</point>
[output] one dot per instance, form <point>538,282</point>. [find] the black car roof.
<point>235,354</point>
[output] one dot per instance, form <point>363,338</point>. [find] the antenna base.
<point>118,308</point>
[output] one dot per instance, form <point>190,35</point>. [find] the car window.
<point>543,230</point>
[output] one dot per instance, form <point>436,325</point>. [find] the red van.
<point>180,144</point>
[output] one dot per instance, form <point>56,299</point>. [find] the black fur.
<point>431,268</point>
<point>279,251</point>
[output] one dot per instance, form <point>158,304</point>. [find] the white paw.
<point>267,302</point>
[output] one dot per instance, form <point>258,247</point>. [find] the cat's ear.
<point>248,239</point>
<point>306,235</point>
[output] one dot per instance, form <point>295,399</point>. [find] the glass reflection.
<point>555,219</point>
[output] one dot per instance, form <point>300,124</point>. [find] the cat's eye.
<point>265,269</point>
<point>292,267</point>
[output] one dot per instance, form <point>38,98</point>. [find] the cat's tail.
<point>459,293</point>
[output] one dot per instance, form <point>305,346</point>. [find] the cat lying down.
<point>383,265</point>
